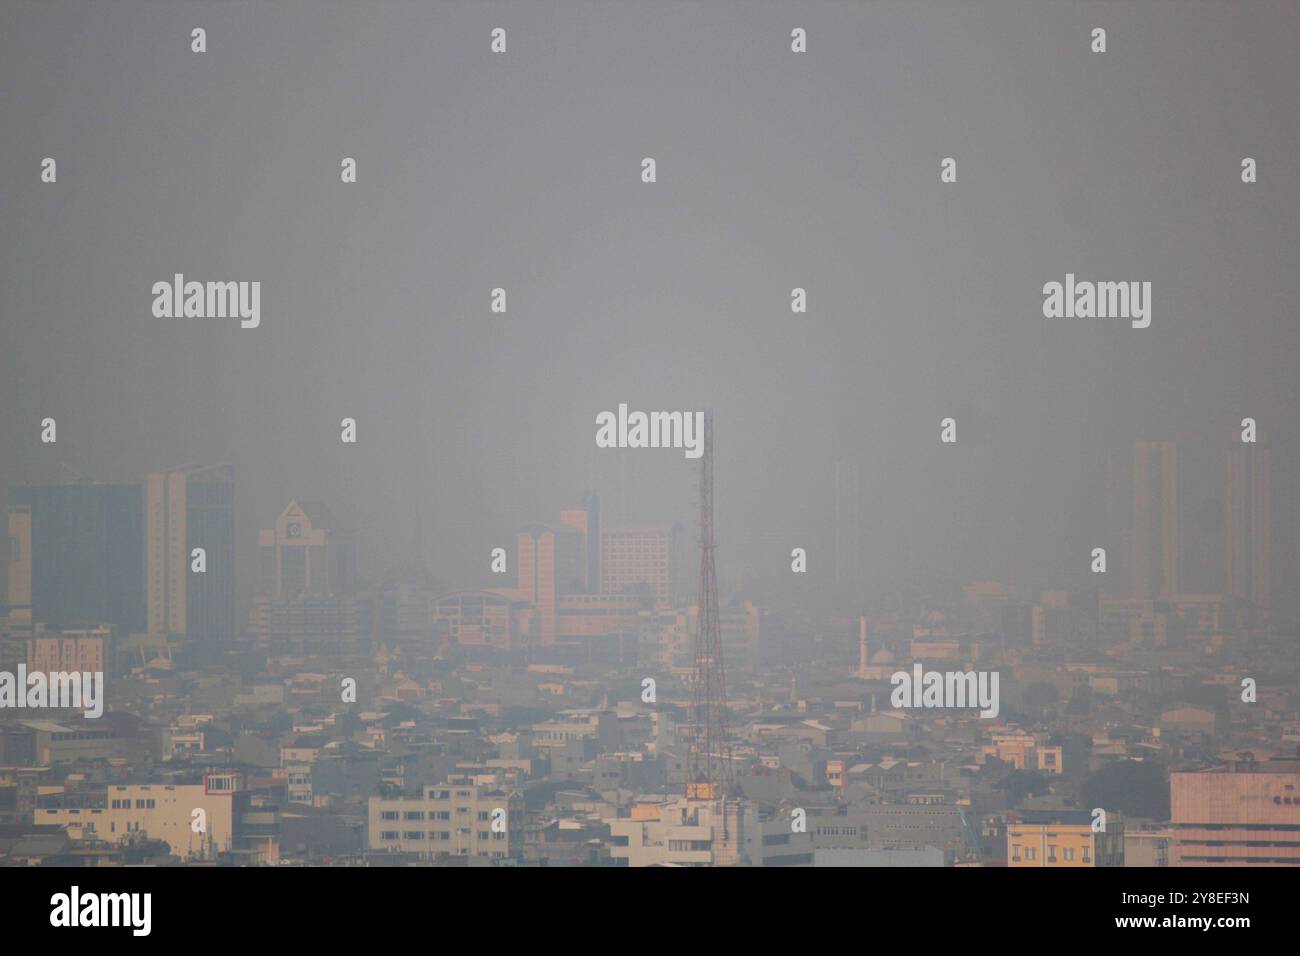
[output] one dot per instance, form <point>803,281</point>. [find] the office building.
<point>307,601</point>
<point>185,509</point>
<point>19,565</point>
<point>1247,525</point>
<point>1156,544</point>
<point>634,559</point>
<point>306,553</point>
<point>586,521</point>
<point>77,557</point>
<point>1242,814</point>
<point>457,818</point>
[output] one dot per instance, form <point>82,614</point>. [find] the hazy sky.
<point>775,170</point>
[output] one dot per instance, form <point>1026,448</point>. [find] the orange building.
<point>1063,839</point>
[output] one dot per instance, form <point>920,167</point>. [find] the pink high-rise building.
<point>632,558</point>
<point>1240,815</point>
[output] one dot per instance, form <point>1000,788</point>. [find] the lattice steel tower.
<point>708,764</point>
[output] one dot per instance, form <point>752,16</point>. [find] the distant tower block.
<point>862,648</point>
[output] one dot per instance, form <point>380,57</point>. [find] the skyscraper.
<point>586,521</point>
<point>85,563</point>
<point>19,567</point>
<point>1156,555</point>
<point>633,558</point>
<point>1247,533</point>
<point>185,509</point>
<point>550,563</point>
<point>305,553</point>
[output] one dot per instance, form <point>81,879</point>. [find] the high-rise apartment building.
<point>307,601</point>
<point>550,564</point>
<point>1156,544</point>
<point>77,557</point>
<point>586,521</point>
<point>185,509</point>
<point>306,553</point>
<point>633,558</point>
<point>1247,530</point>
<point>19,568</point>
<point>535,555</point>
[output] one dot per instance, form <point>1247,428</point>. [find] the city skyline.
<point>584,435</point>
<point>450,398</point>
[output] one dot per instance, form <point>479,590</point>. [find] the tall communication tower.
<point>708,764</point>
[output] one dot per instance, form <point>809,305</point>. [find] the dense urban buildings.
<point>334,716</point>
